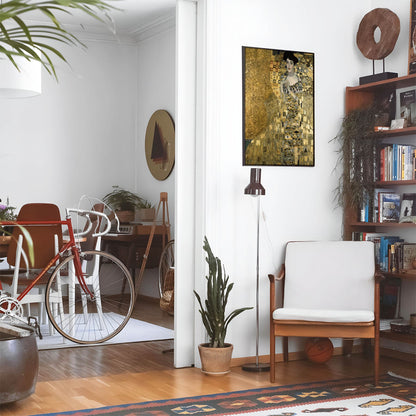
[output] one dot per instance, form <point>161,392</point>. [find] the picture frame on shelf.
<point>278,107</point>
<point>412,38</point>
<point>408,208</point>
<point>406,105</point>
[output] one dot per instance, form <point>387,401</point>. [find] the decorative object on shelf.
<point>412,38</point>
<point>278,107</point>
<point>389,25</point>
<point>213,316</point>
<point>319,350</point>
<point>357,155</point>
<point>408,208</point>
<point>124,203</point>
<point>406,105</point>
<point>160,144</point>
<point>25,46</point>
<point>255,188</point>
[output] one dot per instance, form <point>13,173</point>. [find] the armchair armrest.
<point>273,278</point>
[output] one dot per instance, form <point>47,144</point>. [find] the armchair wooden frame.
<point>301,328</point>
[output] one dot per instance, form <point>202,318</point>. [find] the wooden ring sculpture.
<point>389,25</point>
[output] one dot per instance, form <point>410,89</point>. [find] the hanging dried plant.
<point>357,154</point>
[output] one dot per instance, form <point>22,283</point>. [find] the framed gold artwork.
<point>278,107</point>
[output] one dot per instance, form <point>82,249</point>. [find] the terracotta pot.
<point>4,244</point>
<point>215,361</point>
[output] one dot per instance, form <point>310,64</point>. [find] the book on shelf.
<point>388,259</point>
<point>389,207</point>
<point>401,256</point>
<point>408,208</point>
<point>397,162</point>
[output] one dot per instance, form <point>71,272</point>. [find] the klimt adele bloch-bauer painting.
<point>278,107</point>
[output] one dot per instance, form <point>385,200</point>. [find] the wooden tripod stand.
<point>163,202</point>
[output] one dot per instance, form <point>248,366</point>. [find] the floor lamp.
<point>256,189</point>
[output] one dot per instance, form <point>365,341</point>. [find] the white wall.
<point>299,200</point>
<point>156,91</point>
<point>78,136</point>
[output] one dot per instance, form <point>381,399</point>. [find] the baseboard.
<point>405,356</point>
<point>149,298</point>
<point>293,356</point>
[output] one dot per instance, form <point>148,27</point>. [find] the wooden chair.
<point>330,289</point>
<point>46,241</point>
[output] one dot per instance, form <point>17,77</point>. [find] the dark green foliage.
<point>123,200</point>
<point>218,290</point>
<point>358,155</point>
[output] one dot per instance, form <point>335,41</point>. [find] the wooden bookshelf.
<point>361,97</point>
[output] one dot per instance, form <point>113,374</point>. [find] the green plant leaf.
<point>19,39</point>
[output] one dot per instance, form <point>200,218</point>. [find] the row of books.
<point>389,206</point>
<point>397,162</point>
<point>392,253</point>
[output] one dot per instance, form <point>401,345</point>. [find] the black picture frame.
<point>278,107</point>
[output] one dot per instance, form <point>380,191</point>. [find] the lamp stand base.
<point>253,367</point>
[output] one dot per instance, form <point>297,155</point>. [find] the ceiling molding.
<point>160,25</point>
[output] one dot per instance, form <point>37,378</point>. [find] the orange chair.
<point>46,241</point>
<point>330,290</point>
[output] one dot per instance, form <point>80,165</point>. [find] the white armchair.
<point>330,289</point>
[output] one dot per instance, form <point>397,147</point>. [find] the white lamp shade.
<point>20,84</point>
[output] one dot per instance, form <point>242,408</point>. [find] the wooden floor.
<point>88,377</point>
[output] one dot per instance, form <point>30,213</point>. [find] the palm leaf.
<point>28,40</point>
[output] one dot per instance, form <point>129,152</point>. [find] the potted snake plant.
<point>216,354</point>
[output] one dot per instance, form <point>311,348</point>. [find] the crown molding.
<point>108,33</point>
<point>158,26</point>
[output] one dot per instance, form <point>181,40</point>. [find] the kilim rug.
<point>348,397</point>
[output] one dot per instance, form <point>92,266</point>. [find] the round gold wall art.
<point>389,25</point>
<point>160,144</point>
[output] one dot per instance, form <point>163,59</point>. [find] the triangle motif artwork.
<point>158,154</point>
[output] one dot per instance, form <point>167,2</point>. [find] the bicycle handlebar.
<point>87,214</point>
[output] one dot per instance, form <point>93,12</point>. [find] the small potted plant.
<point>216,355</point>
<point>145,211</point>
<point>123,202</point>
<point>6,214</point>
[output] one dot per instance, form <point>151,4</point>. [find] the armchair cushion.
<point>323,315</point>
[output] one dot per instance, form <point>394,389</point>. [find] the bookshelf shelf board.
<point>402,275</point>
<point>408,338</point>
<point>383,224</point>
<point>399,82</point>
<point>396,132</point>
<point>394,183</point>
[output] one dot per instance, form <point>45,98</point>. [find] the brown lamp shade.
<point>255,187</point>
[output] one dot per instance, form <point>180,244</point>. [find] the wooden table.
<point>131,248</point>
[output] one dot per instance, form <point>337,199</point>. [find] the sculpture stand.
<point>381,76</point>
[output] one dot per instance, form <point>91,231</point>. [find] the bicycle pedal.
<point>35,325</point>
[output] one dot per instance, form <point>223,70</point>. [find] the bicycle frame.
<point>70,245</point>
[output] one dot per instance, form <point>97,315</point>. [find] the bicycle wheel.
<point>83,318</point>
<point>167,261</point>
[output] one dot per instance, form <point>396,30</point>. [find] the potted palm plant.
<point>216,354</point>
<point>37,42</point>
<point>124,203</point>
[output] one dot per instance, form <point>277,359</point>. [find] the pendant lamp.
<point>256,189</point>
<point>20,83</point>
